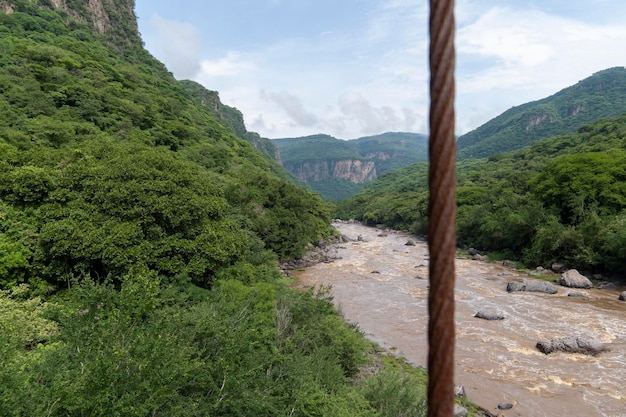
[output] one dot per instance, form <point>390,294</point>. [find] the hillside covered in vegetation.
<point>337,168</point>
<point>139,242</point>
<point>561,199</point>
<point>601,95</point>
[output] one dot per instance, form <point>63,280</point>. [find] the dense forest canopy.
<point>561,199</point>
<point>139,243</point>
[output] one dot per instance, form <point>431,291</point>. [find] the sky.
<point>355,68</point>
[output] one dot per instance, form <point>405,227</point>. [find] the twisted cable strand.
<point>442,211</point>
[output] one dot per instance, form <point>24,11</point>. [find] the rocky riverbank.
<point>380,283</point>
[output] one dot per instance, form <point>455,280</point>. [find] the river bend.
<point>381,284</point>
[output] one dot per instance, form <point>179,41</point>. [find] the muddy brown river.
<point>382,285</point>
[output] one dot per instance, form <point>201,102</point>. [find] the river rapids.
<point>381,284</point>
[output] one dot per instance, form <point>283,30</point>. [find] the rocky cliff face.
<point>539,120</point>
<point>113,18</point>
<point>6,7</point>
<point>384,156</point>
<point>338,169</point>
<point>353,170</point>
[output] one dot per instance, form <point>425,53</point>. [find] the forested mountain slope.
<point>560,199</point>
<point>602,95</point>
<point>139,240</point>
<point>338,168</point>
<point>231,117</point>
<point>70,103</point>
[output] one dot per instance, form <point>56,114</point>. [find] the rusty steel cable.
<point>441,210</point>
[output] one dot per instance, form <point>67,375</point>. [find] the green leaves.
<point>117,206</point>
<point>27,185</point>
<point>151,348</point>
<point>14,261</point>
<point>574,184</point>
<point>103,207</point>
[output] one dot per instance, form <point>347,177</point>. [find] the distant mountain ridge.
<point>338,168</point>
<point>602,95</point>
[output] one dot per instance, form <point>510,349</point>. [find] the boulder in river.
<point>574,279</point>
<point>460,411</point>
<point>622,296</point>
<point>459,391</point>
<point>606,285</point>
<point>531,286</point>
<point>572,345</point>
<point>489,315</point>
<point>578,294</point>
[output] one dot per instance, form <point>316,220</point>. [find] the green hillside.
<point>393,150</point>
<point>139,243</point>
<point>230,117</point>
<point>315,148</point>
<point>602,95</point>
<point>561,199</point>
<point>337,169</point>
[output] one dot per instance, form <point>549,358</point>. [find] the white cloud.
<point>508,56</point>
<point>370,74</point>
<point>233,64</point>
<point>515,39</point>
<point>293,106</point>
<point>179,44</point>
<point>358,112</point>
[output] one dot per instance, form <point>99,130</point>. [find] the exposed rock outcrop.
<point>572,345</point>
<point>115,18</point>
<point>353,170</point>
<point>574,279</point>
<point>318,253</point>
<point>531,286</point>
<point>558,267</point>
<point>539,120</point>
<point>489,315</point>
<point>460,411</point>
<point>459,391</point>
<point>6,7</point>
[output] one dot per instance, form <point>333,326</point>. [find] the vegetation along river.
<point>381,284</point>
